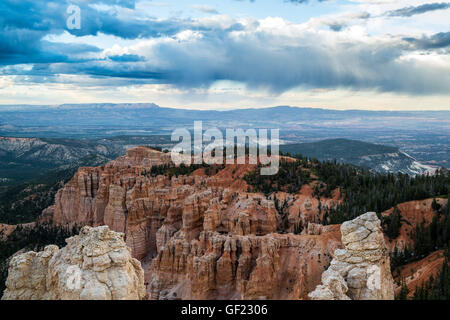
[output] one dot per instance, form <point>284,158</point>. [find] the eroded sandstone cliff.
<point>227,266</point>
<point>202,235</point>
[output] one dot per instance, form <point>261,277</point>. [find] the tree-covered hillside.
<point>337,149</point>
<point>363,190</point>
<point>378,158</point>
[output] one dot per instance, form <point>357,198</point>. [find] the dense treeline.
<point>393,223</point>
<point>363,190</point>
<point>290,178</point>
<point>427,238</point>
<point>434,236</point>
<point>25,202</point>
<point>172,170</point>
<point>35,239</point>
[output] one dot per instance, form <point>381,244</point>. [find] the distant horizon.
<point>224,108</point>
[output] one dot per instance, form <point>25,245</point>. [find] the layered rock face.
<point>227,266</point>
<point>361,271</point>
<point>95,265</point>
<point>201,236</point>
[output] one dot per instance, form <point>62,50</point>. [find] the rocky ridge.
<point>52,151</point>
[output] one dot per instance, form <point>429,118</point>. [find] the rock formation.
<point>201,236</point>
<point>225,266</point>
<point>95,265</point>
<point>361,271</point>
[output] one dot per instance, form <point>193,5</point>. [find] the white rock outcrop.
<point>362,270</point>
<point>95,265</point>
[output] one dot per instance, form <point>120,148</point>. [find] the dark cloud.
<point>254,57</point>
<point>310,62</point>
<point>24,24</point>
<point>41,16</point>
<point>127,58</point>
<point>337,26</point>
<point>24,46</point>
<point>437,41</point>
<point>411,11</point>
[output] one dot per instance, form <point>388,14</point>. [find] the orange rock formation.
<point>199,236</point>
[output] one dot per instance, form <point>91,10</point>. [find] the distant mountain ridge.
<point>23,159</point>
<point>423,134</point>
<point>379,158</point>
<point>150,114</point>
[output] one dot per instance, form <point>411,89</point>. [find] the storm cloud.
<point>414,10</point>
<point>437,41</point>
<point>274,54</point>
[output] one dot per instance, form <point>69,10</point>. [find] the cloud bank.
<point>271,54</point>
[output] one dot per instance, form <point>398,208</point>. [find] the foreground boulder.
<point>95,265</point>
<point>361,271</point>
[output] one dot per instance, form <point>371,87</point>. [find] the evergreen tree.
<point>404,291</point>
<point>393,224</point>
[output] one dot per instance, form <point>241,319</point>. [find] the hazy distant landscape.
<point>425,135</point>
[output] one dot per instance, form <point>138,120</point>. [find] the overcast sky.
<point>361,54</point>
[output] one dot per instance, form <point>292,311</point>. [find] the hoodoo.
<point>95,265</point>
<point>362,270</point>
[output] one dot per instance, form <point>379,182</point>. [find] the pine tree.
<point>404,291</point>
